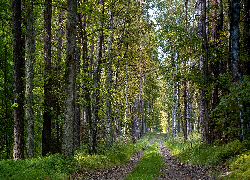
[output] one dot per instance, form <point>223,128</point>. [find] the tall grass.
<point>58,166</point>
<point>196,152</point>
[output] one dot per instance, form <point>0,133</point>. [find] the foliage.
<point>55,166</point>
<point>240,166</point>
<point>118,154</point>
<point>196,152</point>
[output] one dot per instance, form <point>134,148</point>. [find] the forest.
<point>86,85</point>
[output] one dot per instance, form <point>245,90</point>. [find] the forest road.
<point>117,172</point>
<point>177,170</point>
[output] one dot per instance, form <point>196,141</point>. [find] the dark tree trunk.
<point>77,124</point>
<point>30,58</point>
<point>46,134</point>
<point>70,84</point>
<point>18,75</point>
<point>246,70</point>
<point>96,80</point>
<point>235,33</point>
<point>246,35</point>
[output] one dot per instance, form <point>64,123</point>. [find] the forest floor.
<point>174,169</point>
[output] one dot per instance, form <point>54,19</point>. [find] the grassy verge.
<point>149,166</point>
<point>58,166</point>
<point>236,155</point>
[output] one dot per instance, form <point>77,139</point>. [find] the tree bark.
<point>109,71</point>
<point>185,85</point>
<point>46,133</point>
<point>96,79</point>
<point>235,33</point>
<point>70,102</point>
<point>18,75</point>
<point>204,69</point>
<point>30,58</point>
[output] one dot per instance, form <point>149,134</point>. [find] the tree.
<point>70,86</point>
<point>18,75</point>
<point>30,45</point>
<point>109,71</point>
<point>47,116</point>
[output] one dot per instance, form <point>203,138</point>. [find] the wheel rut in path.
<point>176,170</point>
<point>117,172</point>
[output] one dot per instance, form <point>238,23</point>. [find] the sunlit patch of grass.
<point>58,166</point>
<point>240,166</point>
<point>149,166</point>
<point>118,154</point>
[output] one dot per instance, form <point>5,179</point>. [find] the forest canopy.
<point>90,72</point>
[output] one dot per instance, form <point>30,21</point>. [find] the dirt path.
<point>117,172</point>
<point>176,170</point>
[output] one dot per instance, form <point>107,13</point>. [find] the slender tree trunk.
<point>46,133</point>
<point>235,33</point>
<point>179,110</point>
<point>175,94</point>
<point>87,77</point>
<point>185,85</point>
<point>57,103</point>
<point>70,102</point>
<point>109,71</point>
<point>77,123</point>
<point>30,58</point>
<point>18,75</point>
<point>246,35</point>
<point>126,97</point>
<point>96,79</point>
<point>204,69</point>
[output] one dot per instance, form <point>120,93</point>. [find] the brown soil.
<point>174,169</point>
<point>117,172</point>
<point>177,170</point>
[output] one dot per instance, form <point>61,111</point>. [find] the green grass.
<point>118,154</point>
<point>235,154</point>
<point>58,166</point>
<point>54,166</point>
<point>149,166</point>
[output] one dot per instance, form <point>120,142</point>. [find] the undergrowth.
<point>149,166</point>
<point>58,166</point>
<point>54,166</point>
<point>236,154</point>
<point>118,154</point>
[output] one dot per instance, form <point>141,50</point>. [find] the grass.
<point>54,166</point>
<point>236,154</point>
<point>149,166</point>
<point>58,166</point>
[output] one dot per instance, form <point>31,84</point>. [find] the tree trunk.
<point>70,102</point>
<point>96,79</point>
<point>18,75</point>
<point>185,85</point>
<point>46,133</point>
<point>246,35</point>
<point>109,71</point>
<point>30,58</point>
<point>204,69</point>
<point>77,123</point>
<point>235,33</point>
